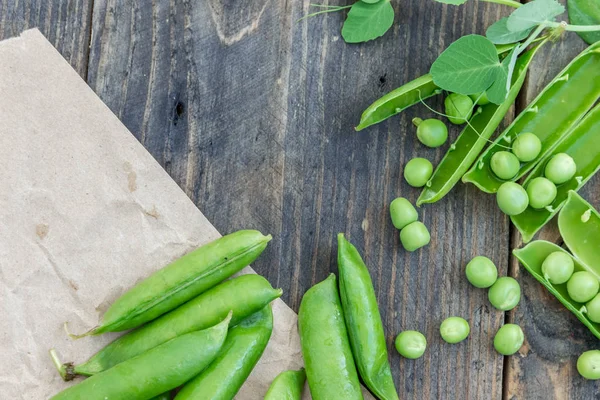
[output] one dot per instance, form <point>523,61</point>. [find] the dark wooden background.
<point>252,114</point>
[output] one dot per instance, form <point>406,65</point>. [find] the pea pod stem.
<point>510,3</point>
<point>417,121</point>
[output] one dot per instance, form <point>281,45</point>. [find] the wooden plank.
<point>546,365</point>
<point>65,23</point>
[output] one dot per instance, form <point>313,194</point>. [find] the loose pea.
<point>481,272</point>
<point>593,309</point>
<point>504,165</point>
<point>459,108</point>
<point>512,198</point>
<point>505,293</point>
<point>560,168</point>
<point>480,98</point>
<point>588,364</point>
<point>582,286</point>
<point>418,171</point>
<point>431,132</point>
<point>508,339</point>
<point>541,192</point>
<point>527,147</point>
<point>411,344</point>
<point>414,236</point>
<point>402,212</point>
<point>558,267</point>
<point>454,329</point>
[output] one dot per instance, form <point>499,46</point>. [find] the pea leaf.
<point>367,21</point>
<point>469,65</point>
<point>453,2</point>
<point>498,33</point>
<point>498,91</point>
<point>585,12</point>
<point>534,13</point>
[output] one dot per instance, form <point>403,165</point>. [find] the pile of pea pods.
<point>192,329</point>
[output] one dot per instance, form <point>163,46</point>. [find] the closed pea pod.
<point>472,139</point>
<point>550,116</point>
<point>288,385</point>
<point>330,368</point>
<point>182,280</point>
<point>243,295</point>
<point>154,372</point>
<point>365,329</point>
<point>241,351</point>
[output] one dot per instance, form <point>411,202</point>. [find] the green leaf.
<point>469,65</point>
<point>370,1</point>
<point>498,33</point>
<point>498,91</point>
<point>453,2</point>
<point>531,14</point>
<point>585,12</point>
<point>367,21</point>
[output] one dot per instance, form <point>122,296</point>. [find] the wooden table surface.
<point>252,114</point>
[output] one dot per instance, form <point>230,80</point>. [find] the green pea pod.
<point>472,139</point>
<point>559,107</point>
<point>154,372</point>
<point>243,347</point>
<point>365,329</point>
<point>164,396</point>
<point>533,255</point>
<point>182,280</point>
<point>330,368</point>
<point>288,385</point>
<point>581,143</point>
<point>579,225</point>
<point>406,96</point>
<point>243,295</point>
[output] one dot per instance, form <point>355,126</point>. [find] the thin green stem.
<point>328,10</point>
<point>510,3</point>
<point>574,28</point>
<point>326,6</point>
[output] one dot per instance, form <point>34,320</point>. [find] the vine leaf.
<point>498,33</point>
<point>534,13</point>
<point>367,21</point>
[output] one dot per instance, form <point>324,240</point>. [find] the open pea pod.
<point>581,143</point>
<point>405,96</point>
<point>533,255</point>
<point>579,225</point>
<point>472,139</point>
<point>550,116</point>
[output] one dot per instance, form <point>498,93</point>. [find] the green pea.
<point>459,108</point>
<point>431,132</point>
<point>512,198</point>
<point>560,168</point>
<point>505,293</point>
<point>505,165</point>
<point>454,329</point>
<point>541,192</point>
<point>558,267</point>
<point>418,171</point>
<point>414,236</point>
<point>593,309</point>
<point>582,286</point>
<point>527,147</point>
<point>480,98</point>
<point>411,344</point>
<point>508,339</point>
<point>402,212</point>
<point>588,364</point>
<point>481,272</point>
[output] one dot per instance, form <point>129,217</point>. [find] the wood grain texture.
<point>546,365</point>
<point>65,23</point>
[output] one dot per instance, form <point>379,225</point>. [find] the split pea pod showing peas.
<point>241,351</point>
<point>550,116</point>
<point>581,144</point>
<point>182,280</point>
<point>472,139</point>
<point>365,329</point>
<point>288,385</point>
<point>154,372</point>
<point>405,96</point>
<point>243,296</point>
<point>330,368</point>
